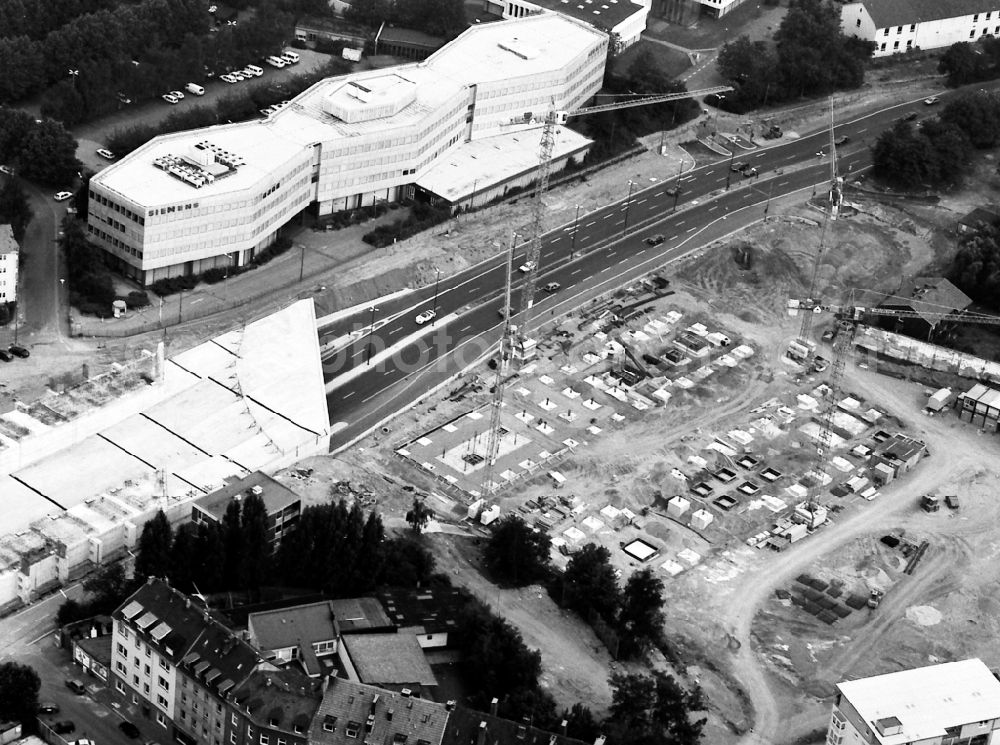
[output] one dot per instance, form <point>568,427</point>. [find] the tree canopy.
<point>516,553</point>
<point>418,515</point>
<point>19,686</point>
<point>969,62</point>
<point>14,208</point>
<point>810,56</point>
<point>641,617</point>
<point>654,710</point>
<point>444,18</point>
<point>47,153</point>
<point>590,583</point>
<point>976,266</point>
<point>154,550</point>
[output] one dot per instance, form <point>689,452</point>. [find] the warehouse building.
<point>186,202</point>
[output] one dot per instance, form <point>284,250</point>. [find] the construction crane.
<point>835,199</point>
<point>499,383</point>
<point>550,120</point>
<point>849,317</point>
<point>515,338</point>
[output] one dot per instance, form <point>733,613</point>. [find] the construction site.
<point>738,424</point>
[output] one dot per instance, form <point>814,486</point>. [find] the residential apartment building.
<point>8,265</point>
<point>623,20</point>
<point>897,27</point>
<point>282,504</point>
<point>185,202</point>
<point>957,703</point>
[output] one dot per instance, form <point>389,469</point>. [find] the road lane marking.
<point>612,253</point>
<point>609,215</point>
<point>691,230</point>
<point>623,261</point>
<point>641,201</point>
<point>681,222</point>
<point>592,222</point>
<point>573,274</point>
<point>348,395</point>
<point>398,328</point>
<point>605,269</point>
<point>713,208</point>
<point>659,194</point>
<point>782,183</point>
<point>640,253</point>
<point>556,240</point>
<point>466,328</point>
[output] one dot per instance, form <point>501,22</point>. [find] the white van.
<point>195,89</point>
<point>290,57</point>
<point>276,61</point>
<point>257,71</point>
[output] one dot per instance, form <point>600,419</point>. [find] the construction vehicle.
<point>875,597</point>
<point>952,501</point>
<point>929,503</point>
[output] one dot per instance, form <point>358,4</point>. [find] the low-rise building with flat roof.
<point>392,661</point>
<point>956,703</point>
<point>623,20</point>
<point>431,614</point>
<point>282,504</point>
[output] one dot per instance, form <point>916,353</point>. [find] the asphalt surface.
<point>468,304</point>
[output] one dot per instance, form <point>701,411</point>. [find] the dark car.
<point>738,166</point>
<point>909,117</point>
<point>47,707</point>
<point>63,727</point>
<point>76,686</point>
<point>672,191</point>
<point>842,140</point>
<point>552,287</point>
<point>5,355</point>
<point>654,240</point>
<point>129,729</point>
<point>19,351</point>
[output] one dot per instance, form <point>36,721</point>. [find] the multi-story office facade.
<point>189,201</point>
<point>8,265</point>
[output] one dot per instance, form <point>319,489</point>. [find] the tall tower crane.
<point>849,317</point>
<point>516,337</point>
<point>550,120</point>
<point>835,199</point>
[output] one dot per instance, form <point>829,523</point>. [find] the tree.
<point>19,686</point>
<point>14,208</point>
<point>256,541</point>
<point>107,587</point>
<point>153,557</point>
<point>211,555</point>
<point>184,558</point>
<point>517,553</point>
<point>419,515</point>
<point>580,723</point>
<point>977,114</point>
<point>963,63</point>
<point>753,67</point>
<point>590,585</point>
<point>48,155</point>
<point>406,562</point>
<point>233,546</point>
<point>654,709</point>
<point>641,616</point>
<point>976,266</point>
<point>904,157</point>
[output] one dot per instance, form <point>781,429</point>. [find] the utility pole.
<point>628,201</point>
<point>576,226</point>
<point>729,174</point>
<point>302,261</point>
<point>371,331</point>
<point>437,280</point>
<point>180,306</point>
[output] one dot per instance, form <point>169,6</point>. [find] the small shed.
<point>558,480</point>
<point>490,514</point>
<point>701,519</point>
<point>473,512</point>
<point>940,399</point>
<point>677,506</point>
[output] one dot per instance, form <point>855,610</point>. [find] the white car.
<point>238,75</point>
<point>168,98</point>
<point>62,196</point>
<point>255,72</point>
<point>427,315</point>
<point>932,100</point>
<point>212,8</point>
<point>526,267</point>
<point>7,169</point>
<point>177,94</point>
<point>106,154</point>
<point>228,78</point>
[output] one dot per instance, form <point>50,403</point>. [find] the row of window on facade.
<point>110,239</point>
<point>103,200</point>
<point>909,42</point>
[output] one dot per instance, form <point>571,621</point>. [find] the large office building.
<point>957,703</point>
<point>190,201</point>
<point>897,27</point>
<point>624,20</point>
<point>8,265</point>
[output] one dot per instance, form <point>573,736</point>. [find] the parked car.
<point>82,742</point>
<point>63,727</point>
<point>76,686</point>
<point>18,351</point>
<point>654,240</point>
<point>6,356</point>
<point>738,166</point>
<point>909,117</point>
<point>62,196</point>
<point>552,287</point>
<point>105,153</point>
<point>228,78</point>
<point>122,98</point>
<point>931,100</point>
<point>47,707</point>
<point>177,94</point>
<point>842,140</point>
<point>427,315</point>
<point>129,729</point>
<point>240,77</point>
<point>526,267</point>
<point>169,99</point>
<point>749,172</point>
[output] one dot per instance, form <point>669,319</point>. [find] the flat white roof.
<point>505,50</point>
<point>491,160</point>
<point>262,149</point>
<point>926,700</point>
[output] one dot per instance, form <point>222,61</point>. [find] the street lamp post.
<point>75,74</point>
<point>628,201</point>
<point>729,173</point>
<point>718,107</point>
<point>576,224</point>
<point>302,262</point>
<point>371,331</point>
<point>437,281</point>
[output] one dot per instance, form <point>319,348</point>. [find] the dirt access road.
<point>955,453</point>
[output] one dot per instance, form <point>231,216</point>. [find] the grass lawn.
<point>672,62</point>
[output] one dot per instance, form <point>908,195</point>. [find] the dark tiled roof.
<point>279,699</point>
<point>433,610</point>
<point>276,495</point>
<point>188,635</point>
<point>389,659</point>
<point>465,725</point>
<point>900,447</point>
<point>394,719</point>
<point>979,215</point>
<point>929,297</point>
<point>887,13</point>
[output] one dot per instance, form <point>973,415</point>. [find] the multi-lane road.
<point>607,255</point>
